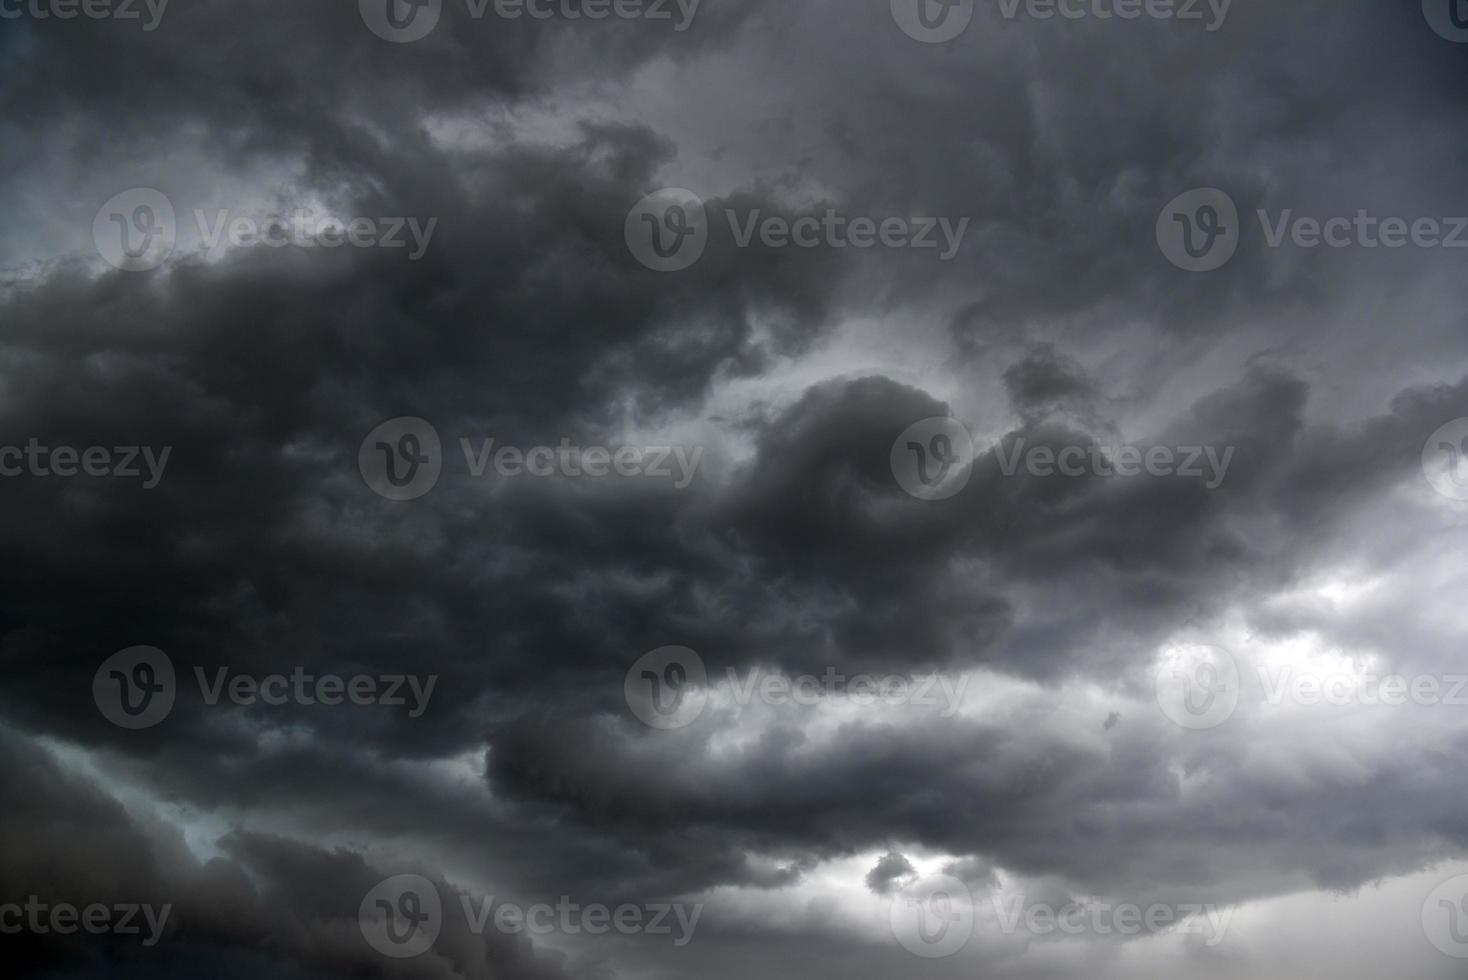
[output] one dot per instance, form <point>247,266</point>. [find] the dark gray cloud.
<point>888,871</point>
<point>1043,604</point>
<point>267,903</point>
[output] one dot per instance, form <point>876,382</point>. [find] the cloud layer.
<point>1042,610</point>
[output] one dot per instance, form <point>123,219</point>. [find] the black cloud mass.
<point>641,489</point>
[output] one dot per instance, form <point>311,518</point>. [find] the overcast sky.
<point>816,484</point>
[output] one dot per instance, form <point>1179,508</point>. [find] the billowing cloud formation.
<point>895,692</point>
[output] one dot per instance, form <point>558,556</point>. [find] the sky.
<point>640,489</point>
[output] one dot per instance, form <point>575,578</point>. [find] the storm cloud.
<point>535,454</point>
